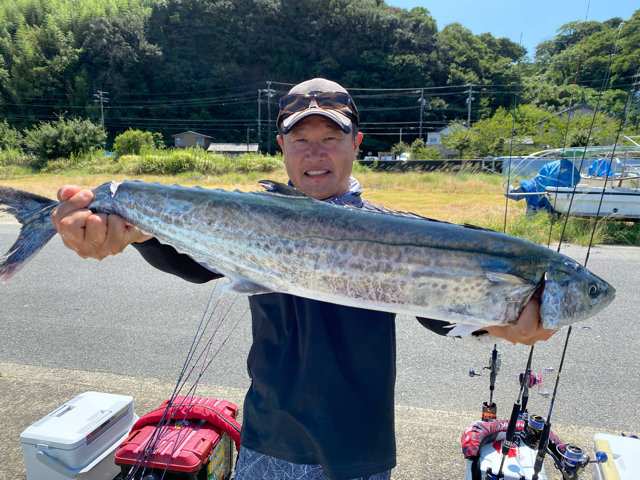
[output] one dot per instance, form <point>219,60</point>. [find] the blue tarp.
<point>599,168</point>
<point>560,173</point>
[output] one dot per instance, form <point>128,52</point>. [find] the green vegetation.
<point>177,65</point>
<point>467,197</point>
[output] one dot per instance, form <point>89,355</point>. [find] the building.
<point>232,149</point>
<point>577,111</point>
<point>434,139</point>
<point>191,139</point>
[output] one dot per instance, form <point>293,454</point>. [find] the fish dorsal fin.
<point>281,188</point>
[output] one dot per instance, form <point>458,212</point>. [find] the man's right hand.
<point>91,235</point>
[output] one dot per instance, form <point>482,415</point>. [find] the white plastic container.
<point>623,454</point>
<point>79,439</point>
<point>518,464</point>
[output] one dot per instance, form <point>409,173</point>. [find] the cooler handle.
<point>62,469</point>
<point>54,464</point>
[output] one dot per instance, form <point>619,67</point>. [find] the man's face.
<point>319,156</point>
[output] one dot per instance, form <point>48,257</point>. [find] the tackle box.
<point>78,440</point>
<point>623,457</point>
<point>189,438</point>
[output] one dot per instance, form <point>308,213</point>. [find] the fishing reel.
<point>535,380</point>
<point>571,459</point>
<point>568,458</point>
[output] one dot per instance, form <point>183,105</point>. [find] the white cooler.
<point>623,454</point>
<point>79,439</point>
<point>518,464</point>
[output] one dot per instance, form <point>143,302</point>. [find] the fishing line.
<point>566,130</point>
<point>593,119</point>
<point>513,129</point>
<point>144,458</point>
<point>188,368</point>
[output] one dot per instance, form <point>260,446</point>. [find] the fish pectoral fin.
<point>281,188</point>
<point>499,277</point>
<point>462,330</point>
<point>243,287</point>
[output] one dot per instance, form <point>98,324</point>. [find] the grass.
<point>473,198</point>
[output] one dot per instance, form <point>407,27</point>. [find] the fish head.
<point>572,293</point>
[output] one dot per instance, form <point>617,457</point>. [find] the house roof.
<point>192,132</point>
<point>233,147</point>
<point>580,106</point>
<point>446,127</point>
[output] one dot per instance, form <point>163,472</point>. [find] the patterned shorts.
<point>256,466</point>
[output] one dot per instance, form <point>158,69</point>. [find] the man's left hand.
<point>527,330</point>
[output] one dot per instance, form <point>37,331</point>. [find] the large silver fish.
<point>282,240</point>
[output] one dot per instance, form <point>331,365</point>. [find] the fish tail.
<point>34,213</point>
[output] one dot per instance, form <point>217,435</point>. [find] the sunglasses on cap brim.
<point>297,102</point>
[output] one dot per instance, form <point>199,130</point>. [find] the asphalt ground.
<point>71,325</point>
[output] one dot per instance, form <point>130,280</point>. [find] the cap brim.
<point>343,121</point>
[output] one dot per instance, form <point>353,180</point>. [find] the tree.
<point>459,138</point>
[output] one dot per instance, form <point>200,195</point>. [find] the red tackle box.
<point>189,438</point>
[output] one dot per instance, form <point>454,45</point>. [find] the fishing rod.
<point>544,434</point>
<point>605,82</point>
<point>489,409</point>
<point>516,412</point>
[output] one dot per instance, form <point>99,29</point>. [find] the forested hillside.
<point>219,66</point>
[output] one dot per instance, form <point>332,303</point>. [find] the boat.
<point>605,180</point>
<point>588,201</point>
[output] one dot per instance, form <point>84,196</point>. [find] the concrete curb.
<point>428,440</point>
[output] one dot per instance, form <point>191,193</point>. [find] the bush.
<point>133,142</point>
<point>62,139</point>
<point>172,162</point>
<point>10,138</point>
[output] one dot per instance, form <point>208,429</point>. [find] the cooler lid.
<point>181,446</point>
<point>79,421</point>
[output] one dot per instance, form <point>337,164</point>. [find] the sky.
<point>535,20</point>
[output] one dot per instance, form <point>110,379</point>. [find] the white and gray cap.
<point>317,96</point>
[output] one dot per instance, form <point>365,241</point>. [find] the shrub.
<point>133,142</point>
<point>63,138</point>
<point>10,138</point>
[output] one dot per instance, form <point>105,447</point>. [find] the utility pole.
<point>259,120</point>
<point>101,97</point>
<point>422,102</point>
<point>270,93</point>
<point>469,99</point>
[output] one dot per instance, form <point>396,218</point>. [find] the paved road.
<point>120,316</point>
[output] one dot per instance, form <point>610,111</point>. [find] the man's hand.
<point>91,235</point>
<point>528,329</point>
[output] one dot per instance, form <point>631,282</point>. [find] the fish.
<point>281,240</point>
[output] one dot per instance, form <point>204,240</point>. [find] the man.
<point>321,403</point>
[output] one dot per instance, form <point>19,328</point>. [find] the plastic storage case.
<point>78,440</point>
<point>192,439</point>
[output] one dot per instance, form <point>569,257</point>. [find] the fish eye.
<point>594,291</point>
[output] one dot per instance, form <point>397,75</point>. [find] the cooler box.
<point>191,439</point>
<point>623,454</point>
<point>78,440</point>
<point>518,464</point>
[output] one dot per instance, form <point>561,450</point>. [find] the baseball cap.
<point>317,96</point>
